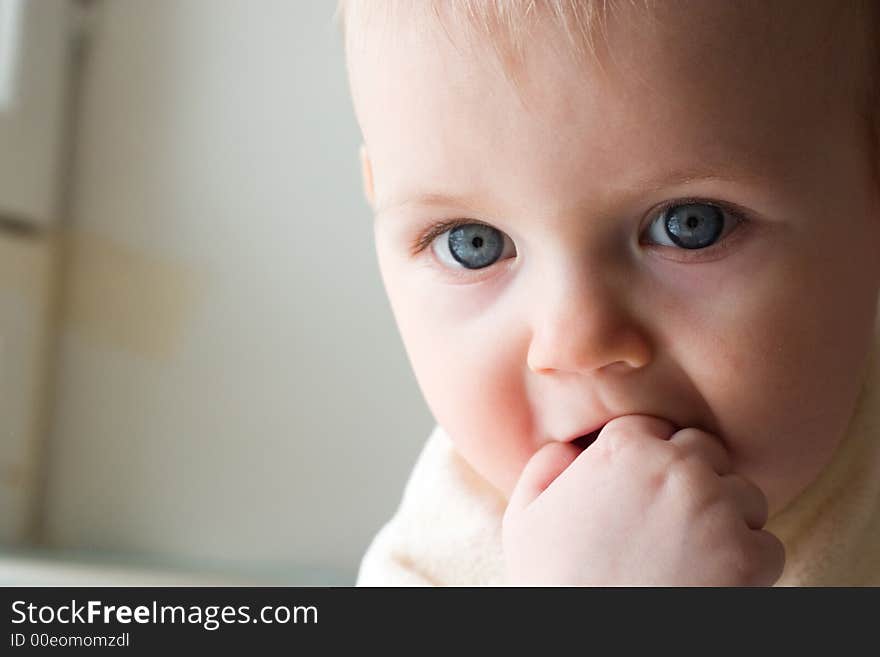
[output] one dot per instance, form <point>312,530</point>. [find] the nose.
<point>582,324</point>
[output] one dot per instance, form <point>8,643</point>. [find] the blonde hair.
<point>506,25</point>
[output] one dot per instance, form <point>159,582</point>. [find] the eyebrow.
<point>654,184</point>
<point>431,199</point>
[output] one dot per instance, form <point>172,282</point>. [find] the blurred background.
<point>200,377</point>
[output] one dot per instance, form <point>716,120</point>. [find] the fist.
<point>644,505</point>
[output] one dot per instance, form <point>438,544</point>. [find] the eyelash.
<point>739,215</point>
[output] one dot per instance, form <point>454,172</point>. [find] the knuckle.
<point>613,443</point>
<point>615,424</point>
<point>742,564</point>
<point>625,436</point>
<point>737,557</point>
<point>685,479</point>
<point>693,437</point>
<point>702,442</point>
<point>757,560</point>
<point>694,433</point>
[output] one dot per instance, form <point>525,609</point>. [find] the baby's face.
<point>692,234</point>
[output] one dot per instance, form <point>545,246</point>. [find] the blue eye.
<point>473,246</point>
<point>690,225</point>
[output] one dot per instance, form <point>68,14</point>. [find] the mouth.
<point>582,442</point>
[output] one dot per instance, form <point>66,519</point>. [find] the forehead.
<point>735,87</point>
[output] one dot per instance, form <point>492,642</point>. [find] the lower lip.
<point>585,441</point>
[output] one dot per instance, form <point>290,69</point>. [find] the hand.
<point>644,505</point>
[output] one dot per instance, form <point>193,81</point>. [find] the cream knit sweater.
<point>447,529</point>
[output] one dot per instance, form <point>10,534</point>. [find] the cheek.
<point>469,363</point>
<point>783,382</point>
<point>472,381</point>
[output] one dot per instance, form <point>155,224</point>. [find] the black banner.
<point>153,620</point>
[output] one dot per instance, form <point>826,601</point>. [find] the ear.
<point>367,175</point>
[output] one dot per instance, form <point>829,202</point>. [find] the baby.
<point>632,252</point>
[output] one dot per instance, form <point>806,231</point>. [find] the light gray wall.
<point>232,391</point>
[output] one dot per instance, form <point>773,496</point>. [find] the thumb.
<point>545,465</point>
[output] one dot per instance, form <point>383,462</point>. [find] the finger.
<point>651,425</point>
<point>544,466</point>
<point>771,557</point>
<point>749,499</point>
<point>704,445</point>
